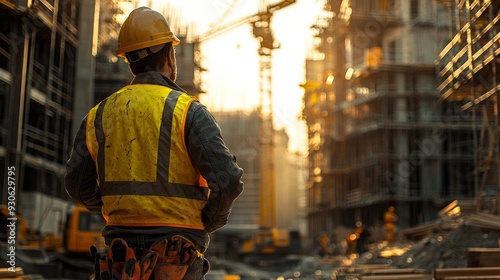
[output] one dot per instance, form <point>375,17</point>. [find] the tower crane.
<point>261,29</point>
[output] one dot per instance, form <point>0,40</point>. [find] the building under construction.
<point>39,53</point>
<point>380,132</point>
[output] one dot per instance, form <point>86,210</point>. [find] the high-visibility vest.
<point>145,174</point>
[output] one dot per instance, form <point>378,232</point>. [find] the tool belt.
<point>166,259</point>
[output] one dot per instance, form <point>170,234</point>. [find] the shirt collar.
<point>155,78</point>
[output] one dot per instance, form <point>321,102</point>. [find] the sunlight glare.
<point>231,58</point>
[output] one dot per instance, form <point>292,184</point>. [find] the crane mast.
<point>261,29</point>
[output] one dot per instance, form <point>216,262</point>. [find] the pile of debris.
<point>446,244</point>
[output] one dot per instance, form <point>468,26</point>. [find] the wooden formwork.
<point>483,257</point>
<point>404,276</point>
<point>466,273</point>
<point>379,272</point>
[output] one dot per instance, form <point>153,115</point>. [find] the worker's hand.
<point>94,205</point>
<point>213,225</point>
<point>215,213</point>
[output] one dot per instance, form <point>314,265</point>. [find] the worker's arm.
<point>80,179</point>
<point>217,165</point>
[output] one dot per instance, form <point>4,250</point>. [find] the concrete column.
<point>15,110</point>
<point>403,167</point>
<point>430,151</point>
<point>85,70</point>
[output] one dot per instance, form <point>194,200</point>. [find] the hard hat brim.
<point>131,48</point>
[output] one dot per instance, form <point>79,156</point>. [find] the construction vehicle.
<point>253,244</point>
<point>265,239</point>
<point>50,255</point>
<point>271,242</point>
<point>82,230</point>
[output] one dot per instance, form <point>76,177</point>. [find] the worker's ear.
<point>171,58</point>
<point>170,67</point>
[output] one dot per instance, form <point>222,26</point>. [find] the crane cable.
<point>222,18</point>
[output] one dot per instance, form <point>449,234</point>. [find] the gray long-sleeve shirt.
<point>208,152</point>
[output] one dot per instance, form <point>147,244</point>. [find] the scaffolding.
<point>468,73</point>
<point>38,48</point>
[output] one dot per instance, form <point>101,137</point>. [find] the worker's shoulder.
<point>197,107</point>
<point>199,114</point>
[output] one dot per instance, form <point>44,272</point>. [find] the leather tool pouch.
<point>175,256</point>
<point>121,263</point>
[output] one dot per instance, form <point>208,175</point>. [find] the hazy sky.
<point>232,59</point>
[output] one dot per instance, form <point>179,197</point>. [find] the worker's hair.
<point>152,62</point>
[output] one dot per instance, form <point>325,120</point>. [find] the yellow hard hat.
<point>142,29</point>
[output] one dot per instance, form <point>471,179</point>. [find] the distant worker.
<point>351,241</point>
<point>390,220</point>
<point>152,159</point>
<point>324,242</point>
<point>363,236</point>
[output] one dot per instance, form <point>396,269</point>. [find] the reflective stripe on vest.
<point>136,139</point>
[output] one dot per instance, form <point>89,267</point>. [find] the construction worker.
<point>363,236</point>
<point>351,239</point>
<point>152,159</point>
<point>390,219</point>
<point>323,243</point>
